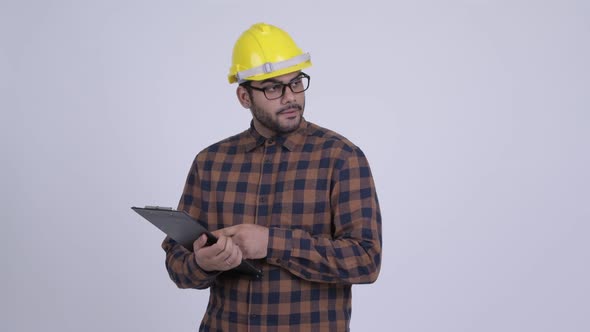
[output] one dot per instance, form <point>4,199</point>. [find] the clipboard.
<point>182,228</point>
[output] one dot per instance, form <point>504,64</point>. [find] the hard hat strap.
<point>270,67</point>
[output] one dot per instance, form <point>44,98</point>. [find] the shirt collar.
<point>290,141</point>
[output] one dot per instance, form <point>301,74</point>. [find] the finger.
<point>222,248</point>
<point>229,246</point>
<point>235,258</point>
<point>229,250</point>
<point>200,242</point>
<point>219,246</point>
<point>239,255</point>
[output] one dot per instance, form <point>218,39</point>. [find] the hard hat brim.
<point>270,70</point>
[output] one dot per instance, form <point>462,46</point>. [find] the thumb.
<point>228,231</point>
<point>200,242</point>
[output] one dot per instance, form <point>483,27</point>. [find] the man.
<point>296,198</point>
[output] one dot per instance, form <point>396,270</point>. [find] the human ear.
<point>243,96</point>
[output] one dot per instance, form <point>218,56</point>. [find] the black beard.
<point>267,121</point>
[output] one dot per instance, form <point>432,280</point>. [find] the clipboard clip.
<point>155,207</point>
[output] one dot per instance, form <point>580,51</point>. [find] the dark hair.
<point>246,86</point>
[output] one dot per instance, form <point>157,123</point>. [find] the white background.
<point>474,116</point>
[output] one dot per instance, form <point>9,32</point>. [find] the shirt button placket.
<point>265,183</point>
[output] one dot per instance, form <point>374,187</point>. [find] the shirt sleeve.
<point>180,262</point>
<point>352,253</point>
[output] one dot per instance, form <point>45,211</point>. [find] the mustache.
<point>290,107</point>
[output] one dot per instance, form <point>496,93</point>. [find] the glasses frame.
<point>285,85</point>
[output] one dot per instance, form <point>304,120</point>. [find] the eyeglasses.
<point>277,89</point>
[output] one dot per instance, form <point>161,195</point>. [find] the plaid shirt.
<point>313,189</point>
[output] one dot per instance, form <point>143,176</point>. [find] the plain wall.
<point>474,116</point>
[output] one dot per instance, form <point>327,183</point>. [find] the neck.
<point>262,130</point>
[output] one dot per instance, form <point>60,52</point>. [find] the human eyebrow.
<point>272,80</point>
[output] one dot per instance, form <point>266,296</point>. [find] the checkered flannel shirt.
<point>314,190</point>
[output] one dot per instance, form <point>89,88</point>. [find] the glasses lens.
<point>274,91</point>
<point>297,85</point>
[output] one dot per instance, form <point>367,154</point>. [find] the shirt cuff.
<point>279,246</point>
<point>196,271</point>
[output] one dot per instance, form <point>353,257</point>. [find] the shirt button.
<point>270,141</point>
<point>262,199</point>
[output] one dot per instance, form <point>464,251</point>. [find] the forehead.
<point>282,79</point>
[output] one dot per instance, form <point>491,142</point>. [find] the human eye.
<point>273,88</point>
<point>296,83</point>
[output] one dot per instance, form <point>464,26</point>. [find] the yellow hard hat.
<point>265,51</point>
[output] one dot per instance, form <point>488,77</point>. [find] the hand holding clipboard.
<point>182,228</point>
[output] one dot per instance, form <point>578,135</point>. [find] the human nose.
<point>288,94</point>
